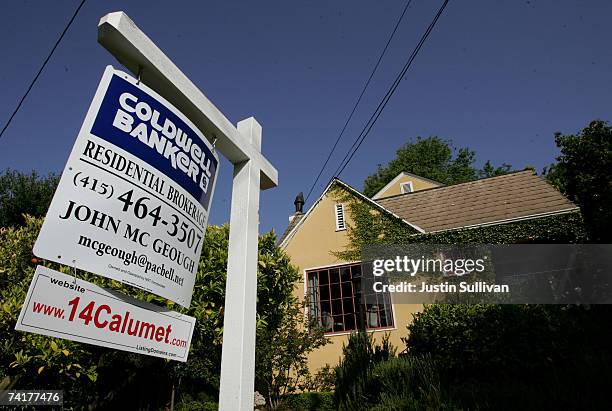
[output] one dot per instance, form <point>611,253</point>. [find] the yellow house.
<point>425,205</point>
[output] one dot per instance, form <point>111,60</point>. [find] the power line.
<point>374,117</point>
<point>41,68</point>
<point>381,106</point>
<point>367,83</point>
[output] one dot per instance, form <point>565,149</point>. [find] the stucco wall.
<point>310,248</point>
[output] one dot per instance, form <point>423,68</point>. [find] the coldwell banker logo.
<point>134,121</point>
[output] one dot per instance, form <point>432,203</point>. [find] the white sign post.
<point>252,172</point>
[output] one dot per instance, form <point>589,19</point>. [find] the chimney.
<point>299,206</point>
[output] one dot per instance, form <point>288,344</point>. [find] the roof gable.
<point>296,223</point>
<point>392,187</point>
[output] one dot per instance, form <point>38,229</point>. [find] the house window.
<point>406,187</point>
<point>340,222</point>
<point>334,301</point>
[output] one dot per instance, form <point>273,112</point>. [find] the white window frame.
<point>409,184</point>
<point>340,217</point>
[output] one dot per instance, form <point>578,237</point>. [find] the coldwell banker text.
<point>142,122</point>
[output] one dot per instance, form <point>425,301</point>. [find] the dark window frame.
<point>328,307</point>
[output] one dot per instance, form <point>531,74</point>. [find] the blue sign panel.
<point>138,123</point>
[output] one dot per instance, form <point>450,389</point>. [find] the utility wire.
<point>41,68</point>
<point>367,83</point>
<point>381,106</point>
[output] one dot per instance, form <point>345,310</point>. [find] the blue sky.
<point>498,77</point>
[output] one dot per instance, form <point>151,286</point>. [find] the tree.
<point>489,171</point>
<point>282,354</point>
<point>24,194</point>
<point>582,173</point>
<point>431,158</point>
<point>284,334</point>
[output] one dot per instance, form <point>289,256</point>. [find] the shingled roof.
<point>509,197</point>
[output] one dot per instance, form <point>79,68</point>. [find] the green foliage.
<point>489,171</point>
<point>518,356</point>
<point>431,158</point>
<point>30,360</point>
<point>89,374</point>
<point>323,380</point>
<point>563,228</point>
<point>24,194</point>
<point>284,337</point>
<point>582,173</point>
<point>372,226</point>
<point>407,383</point>
<point>201,402</point>
<point>309,401</point>
<point>353,373</point>
<point>370,377</point>
<point>282,354</point>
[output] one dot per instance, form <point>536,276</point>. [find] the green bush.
<point>200,402</point>
<point>360,356</point>
<point>518,356</point>
<point>411,381</point>
<point>309,401</point>
<point>384,382</point>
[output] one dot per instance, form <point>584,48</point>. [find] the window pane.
<point>384,321</point>
<point>386,299</point>
<point>323,277</point>
<point>325,307</point>
<point>368,286</point>
<point>313,309</point>
<point>349,322</point>
<point>347,304</point>
<point>335,291</point>
<point>345,274</point>
<point>324,292</point>
<point>327,321</point>
<point>389,315</point>
<point>336,307</point>
<point>356,287</point>
<point>356,270</point>
<point>338,323</point>
<point>347,290</point>
<point>372,317</point>
<point>334,275</point>
<point>358,300</point>
<point>313,279</point>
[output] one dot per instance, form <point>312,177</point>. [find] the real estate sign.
<point>133,200</point>
<point>62,306</point>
